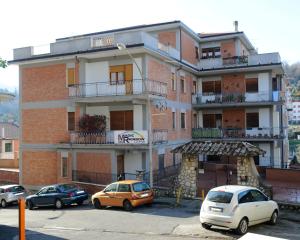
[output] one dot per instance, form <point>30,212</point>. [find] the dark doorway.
<point>120,164</point>
<point>161,161</point>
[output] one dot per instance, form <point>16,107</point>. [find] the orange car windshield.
<point>140,187</point>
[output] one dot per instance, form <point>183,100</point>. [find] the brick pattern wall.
<point>233,83</point>
<point>61,179</point>
<point>167,38</point>
<point>45,125</point>
<point>188,48</point>
<point>7,176</point>
<point>228,49</point>
<point>94,162</point>
<point>234,118</point>
<point>39,167</point>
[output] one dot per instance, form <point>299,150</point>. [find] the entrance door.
<point>121,120</point>
<point>120,164</point>
<point>161,161</point>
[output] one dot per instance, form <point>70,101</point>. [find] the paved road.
<point>157,222</point>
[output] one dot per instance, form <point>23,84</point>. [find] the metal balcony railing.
<point>224,98</point>
<point>113,137</point>
<point>120,88</point>
<point>249,133</point>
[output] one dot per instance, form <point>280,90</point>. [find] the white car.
<point>237,207</point>
<point>11,194</point>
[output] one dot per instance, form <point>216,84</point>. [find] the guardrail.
<point>120,88</point>
<point>251,133</point>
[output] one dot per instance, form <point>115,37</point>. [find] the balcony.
<point>119,137</point>
<point>238,133</point>
<point>127,88</point>
<point>208,100</point>
<point>7,155</point>
<point>242,61</point>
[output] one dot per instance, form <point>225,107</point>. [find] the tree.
<point>3,63</point>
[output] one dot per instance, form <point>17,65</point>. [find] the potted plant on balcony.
<point>94,128</point>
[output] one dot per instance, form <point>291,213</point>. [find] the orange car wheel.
<point>127,205</point>
<point>97,204</point>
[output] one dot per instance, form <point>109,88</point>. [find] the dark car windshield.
<point>219,197</point>
<point>140,187</point>
<point>67,187</point>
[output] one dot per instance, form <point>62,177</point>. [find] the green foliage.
<point>3,63</point>
<point>96,123</point>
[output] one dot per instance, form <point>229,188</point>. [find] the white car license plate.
<point>145,195</point>
<point>214,209</point>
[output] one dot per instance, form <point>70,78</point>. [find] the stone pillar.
<point>187,177</point>
<point>246,172</point>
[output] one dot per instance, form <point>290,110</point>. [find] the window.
<point>71,121</point>
<point>111,188</point>
<point>140,187</point>
<point>219,197</point>
<point>258,196</point>
<point>51,190</point>
<point>245,197</point>
<point>182,120</point>
<point>118,74</point>
<point>8,147</point>
<point>182,84</point>
<point>252,120</point>
<point>196,52</point>
<point>211,87</point>
<point>173,120</point>
<point>70,76</point>
<point>211,52</point>
<point>173,80</point>
<point>251,85</point>
<point>124,188</point>
<point>64,167</point>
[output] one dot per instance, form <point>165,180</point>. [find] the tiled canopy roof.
<point>219,148</point>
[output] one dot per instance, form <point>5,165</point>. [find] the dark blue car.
<point>57,195</point>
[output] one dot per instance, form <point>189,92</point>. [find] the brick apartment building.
<point>156,86</point>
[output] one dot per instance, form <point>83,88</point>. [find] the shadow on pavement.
<point>11,233</point>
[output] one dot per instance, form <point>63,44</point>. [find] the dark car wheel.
<point>3,203</point>
<point>29,205</point>
<point>127,205</point>
<point>274,217</point>
<point>79,203</point>
<point>206,226</point>
<point>243,227</point>
<point>97,204</point>
<point>58,204</point>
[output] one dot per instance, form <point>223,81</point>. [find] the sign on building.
<point>103,41</point>
<point>130,137</point>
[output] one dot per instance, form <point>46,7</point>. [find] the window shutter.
<point>71,76</point>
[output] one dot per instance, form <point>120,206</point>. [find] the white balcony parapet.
<point>7,155</point>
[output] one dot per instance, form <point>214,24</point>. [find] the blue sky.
<point>271,25</point>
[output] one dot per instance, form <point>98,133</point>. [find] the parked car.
<point>57,195</point>
<point>127,194</point>
<point>10,194</point>
<point>237,207</point>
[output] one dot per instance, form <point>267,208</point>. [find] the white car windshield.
<point>219,197</point>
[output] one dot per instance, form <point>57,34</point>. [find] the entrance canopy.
<point>240,149</point>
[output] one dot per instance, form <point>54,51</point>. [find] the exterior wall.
<point>282,175</point>
<point>39,167</point>
<point>9,159</point>
<point>94,162</point>
<point>233,118</point>
<point>38,125</point>
<point>158,71</point>
<point>132,162</point>
<point>228,49</point>
<point>9,176</point>
<point>68,178</point>
<point>265,160</point>
<point>44,83</point>
<point>233,83</point>
<point>167,38</point>
<point>188,48</point>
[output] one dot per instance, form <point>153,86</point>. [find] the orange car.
<point>126,194</point>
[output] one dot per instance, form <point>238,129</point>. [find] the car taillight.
<point>71,194</point>
<point>134,196</point>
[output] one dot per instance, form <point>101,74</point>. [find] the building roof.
<point>207,35</point>
<point>219,148</point>
<point>9,130</point>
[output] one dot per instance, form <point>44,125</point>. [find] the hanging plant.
<point>96,123</point>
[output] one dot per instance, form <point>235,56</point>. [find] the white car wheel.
<point>243,227</point>
<point>3,203</point>
<point>274,218</point>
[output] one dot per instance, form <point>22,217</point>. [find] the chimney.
<point>236,26</point>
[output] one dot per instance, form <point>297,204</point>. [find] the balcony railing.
<point>254,59</point>
<point>249,133</point>
<point>224,98</point>
<point>160,136</point>
<point>129,87</point>
<point>123,137</point>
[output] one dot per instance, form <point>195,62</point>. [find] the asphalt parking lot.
<point>161,221</point>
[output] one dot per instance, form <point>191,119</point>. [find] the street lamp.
<point>121,47</point>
